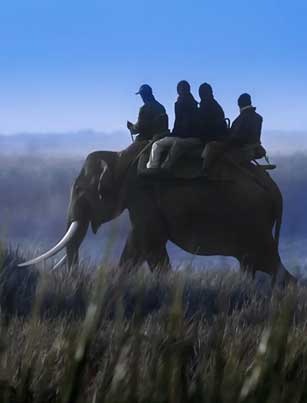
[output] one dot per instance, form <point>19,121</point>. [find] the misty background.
<point>37,171</point>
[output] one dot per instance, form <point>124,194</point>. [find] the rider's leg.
<point>157,149</point>
<point>180,147</point>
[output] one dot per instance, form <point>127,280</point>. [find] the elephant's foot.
<point>248,265</point>
<point>269,263</point>
<point>158,260</point>
<point>282,277</point>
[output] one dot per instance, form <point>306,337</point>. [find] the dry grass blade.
<point>183,337</point>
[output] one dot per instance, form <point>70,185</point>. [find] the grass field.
<point>107,336</point>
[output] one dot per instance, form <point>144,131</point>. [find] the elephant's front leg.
<point>131,257</point>
<point>158,259</point>
<point>142,247</point>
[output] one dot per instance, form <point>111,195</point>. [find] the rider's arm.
<point>142,123</point>
<point>238,131</point>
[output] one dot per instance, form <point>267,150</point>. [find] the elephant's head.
<point>97,196</point>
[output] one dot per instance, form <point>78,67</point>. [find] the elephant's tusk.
<point>57,248</point>
<point>60,263</point>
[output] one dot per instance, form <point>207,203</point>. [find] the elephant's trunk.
<point>72,248</point>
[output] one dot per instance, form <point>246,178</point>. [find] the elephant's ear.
<point>105,184</point>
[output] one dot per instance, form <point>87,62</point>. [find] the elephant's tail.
<point>278,209</point>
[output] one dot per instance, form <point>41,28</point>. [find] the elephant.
<point>237,218</point>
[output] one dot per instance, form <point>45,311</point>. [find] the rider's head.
<point>205,91</point>
<point>146,92</point>
<point>244,101</point>
<point>183,88</point>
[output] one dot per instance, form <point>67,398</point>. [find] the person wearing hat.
<point>212,124</point>
<point>152,120</point>
<point>246,128</point>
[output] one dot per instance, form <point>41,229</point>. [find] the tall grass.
<point>108,336</point>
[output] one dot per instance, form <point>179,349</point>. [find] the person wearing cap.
<point>152,120</point>
<point>184,135</point>
<point>246,128</point>
<point>212,124</point>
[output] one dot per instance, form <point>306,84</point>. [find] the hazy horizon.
<point>82,142</point>
<point>121,130</point>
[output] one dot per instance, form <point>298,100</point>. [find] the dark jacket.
<point>152,120</point>
<point>185,117</point>
<point>211,120</point>
<point>246,129</point>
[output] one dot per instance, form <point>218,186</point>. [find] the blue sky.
<point>69,65</point>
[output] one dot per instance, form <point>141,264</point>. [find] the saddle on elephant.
<point>240,154</point>
<point>210,162</point>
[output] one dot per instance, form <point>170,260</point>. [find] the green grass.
<point>108,336</point>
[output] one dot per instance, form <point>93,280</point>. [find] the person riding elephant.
<point>152,119</point>
<point>211,116</point>
<point>244,141</point>
<point>184,135</point>
<point>185,111</point>
<point>204,219</point>
<point>246,129</point>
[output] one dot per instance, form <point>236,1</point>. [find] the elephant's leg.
<point>248,264</point>
<point>158,259</point>
<point>281,276</point>
<point>271,263</point>
<point>72,249</point>
<point>131,257</point>
<point>142,247</point>
<point>259,253</point>
<point>149,234</point>
<point>153,241</point>
<point>265,257</point>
